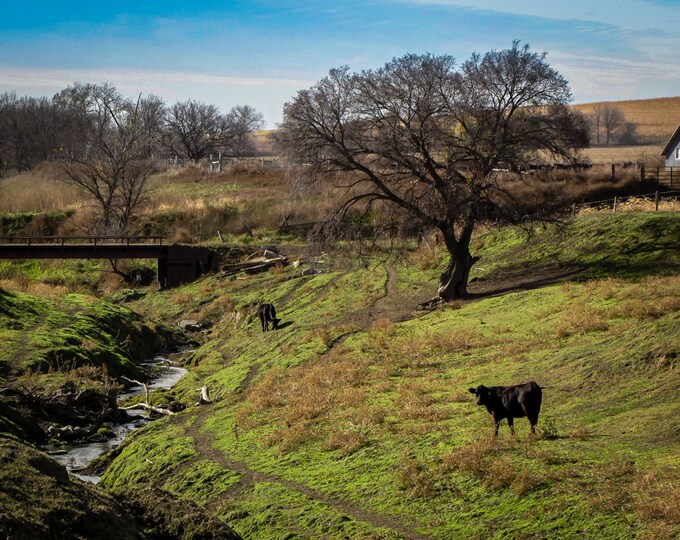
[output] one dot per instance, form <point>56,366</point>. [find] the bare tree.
<point>429,138</point>
<point>114,165</point>
<point>31,129</point>
<point>610,119</point>
<point>242,120</point>
<point>195,129</point>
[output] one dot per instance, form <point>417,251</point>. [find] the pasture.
<point>354,419</point>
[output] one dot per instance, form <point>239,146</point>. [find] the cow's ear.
<point>473,390</point>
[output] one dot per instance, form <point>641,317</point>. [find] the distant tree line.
<point>35,129</point>
<point>108,145</point>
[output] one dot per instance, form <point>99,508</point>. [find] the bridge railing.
<point>93,240</point>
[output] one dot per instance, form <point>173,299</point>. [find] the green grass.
<point>59,334</point>
<point>381,420</point>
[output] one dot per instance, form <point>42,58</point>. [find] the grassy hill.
<point>354,421</point>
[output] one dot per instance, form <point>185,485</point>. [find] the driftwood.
<point>204,396</point>
<point>146,405</point>
<point>254,266</point>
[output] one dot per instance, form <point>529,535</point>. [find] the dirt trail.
<point>206,451</point>
<point>387,306</point>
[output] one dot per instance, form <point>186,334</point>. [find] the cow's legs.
<point>533,421</point>
<point>533,418</point>
<point>511,423</point>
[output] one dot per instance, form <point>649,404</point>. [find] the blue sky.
<point>260,52</point>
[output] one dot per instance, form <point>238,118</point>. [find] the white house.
<point>672,150</point>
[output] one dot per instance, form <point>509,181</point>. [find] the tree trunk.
<point>453,281</point>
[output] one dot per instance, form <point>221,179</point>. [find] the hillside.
<point>656,118</point>
<point>354,420</point>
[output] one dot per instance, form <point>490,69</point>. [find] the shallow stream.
<point>76,456</point>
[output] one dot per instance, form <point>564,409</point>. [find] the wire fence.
<point>657,201</point>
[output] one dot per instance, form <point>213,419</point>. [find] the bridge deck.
<point>176,264</point>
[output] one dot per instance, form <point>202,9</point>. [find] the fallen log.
<point>253,266</point>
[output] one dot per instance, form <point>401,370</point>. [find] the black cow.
<point>511,402</point>
<point>267,314</point>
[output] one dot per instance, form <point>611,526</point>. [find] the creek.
<point>75,457</point>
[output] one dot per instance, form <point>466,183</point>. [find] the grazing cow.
<point>267,314</point>
<point>511,402</point>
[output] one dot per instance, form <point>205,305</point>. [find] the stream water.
<point>76,456</point>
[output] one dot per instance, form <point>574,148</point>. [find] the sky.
<point>262,52</point>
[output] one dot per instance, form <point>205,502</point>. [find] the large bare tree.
<point>31,130</point>
<point>430,137</point>
<point>114,161</point>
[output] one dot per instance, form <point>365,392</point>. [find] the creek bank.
<point>39,499</point>
<point>80,451</point>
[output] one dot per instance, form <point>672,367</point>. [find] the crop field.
<point>656,118</point>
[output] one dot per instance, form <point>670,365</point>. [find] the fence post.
<point>671,176</point>
<point>613,172</point>
<point>573,210</point>
<point>615,201</point>
<point>642,173</point>
<point>656,201</point>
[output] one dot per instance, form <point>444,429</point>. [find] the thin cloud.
<point>41,77</point>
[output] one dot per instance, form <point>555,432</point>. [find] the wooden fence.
<point>669,176</point>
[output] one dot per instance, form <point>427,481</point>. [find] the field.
<point>656,118</point>
<point>648,154</point>
<point>354,420</point>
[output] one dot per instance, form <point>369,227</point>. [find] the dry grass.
<point>650,154</point>
<point>325,391</point>
<point>42,189</point>
<point>635,204</point>
<point>346,440</point>
<point>417,479</point>
<point>656,501</point>
<point>25,284</point>
<point>581,318</point>
<point>461,340</point>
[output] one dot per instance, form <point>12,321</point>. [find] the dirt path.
<point>249,477</point>
<point>387,306</point>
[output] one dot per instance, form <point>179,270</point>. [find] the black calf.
<point>267,314</point>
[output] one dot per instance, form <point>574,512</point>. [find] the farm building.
<point>672,149</point>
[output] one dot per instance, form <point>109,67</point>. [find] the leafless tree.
<point>242,120</point>
<point>196,130</point>
<point>428,137</point>
<point>31,129</point>
<point>114,165</point>
<point>610,119</point>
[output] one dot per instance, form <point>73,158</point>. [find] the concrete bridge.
<point>177,264</point>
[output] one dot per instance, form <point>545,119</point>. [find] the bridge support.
<point>183,264</point>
